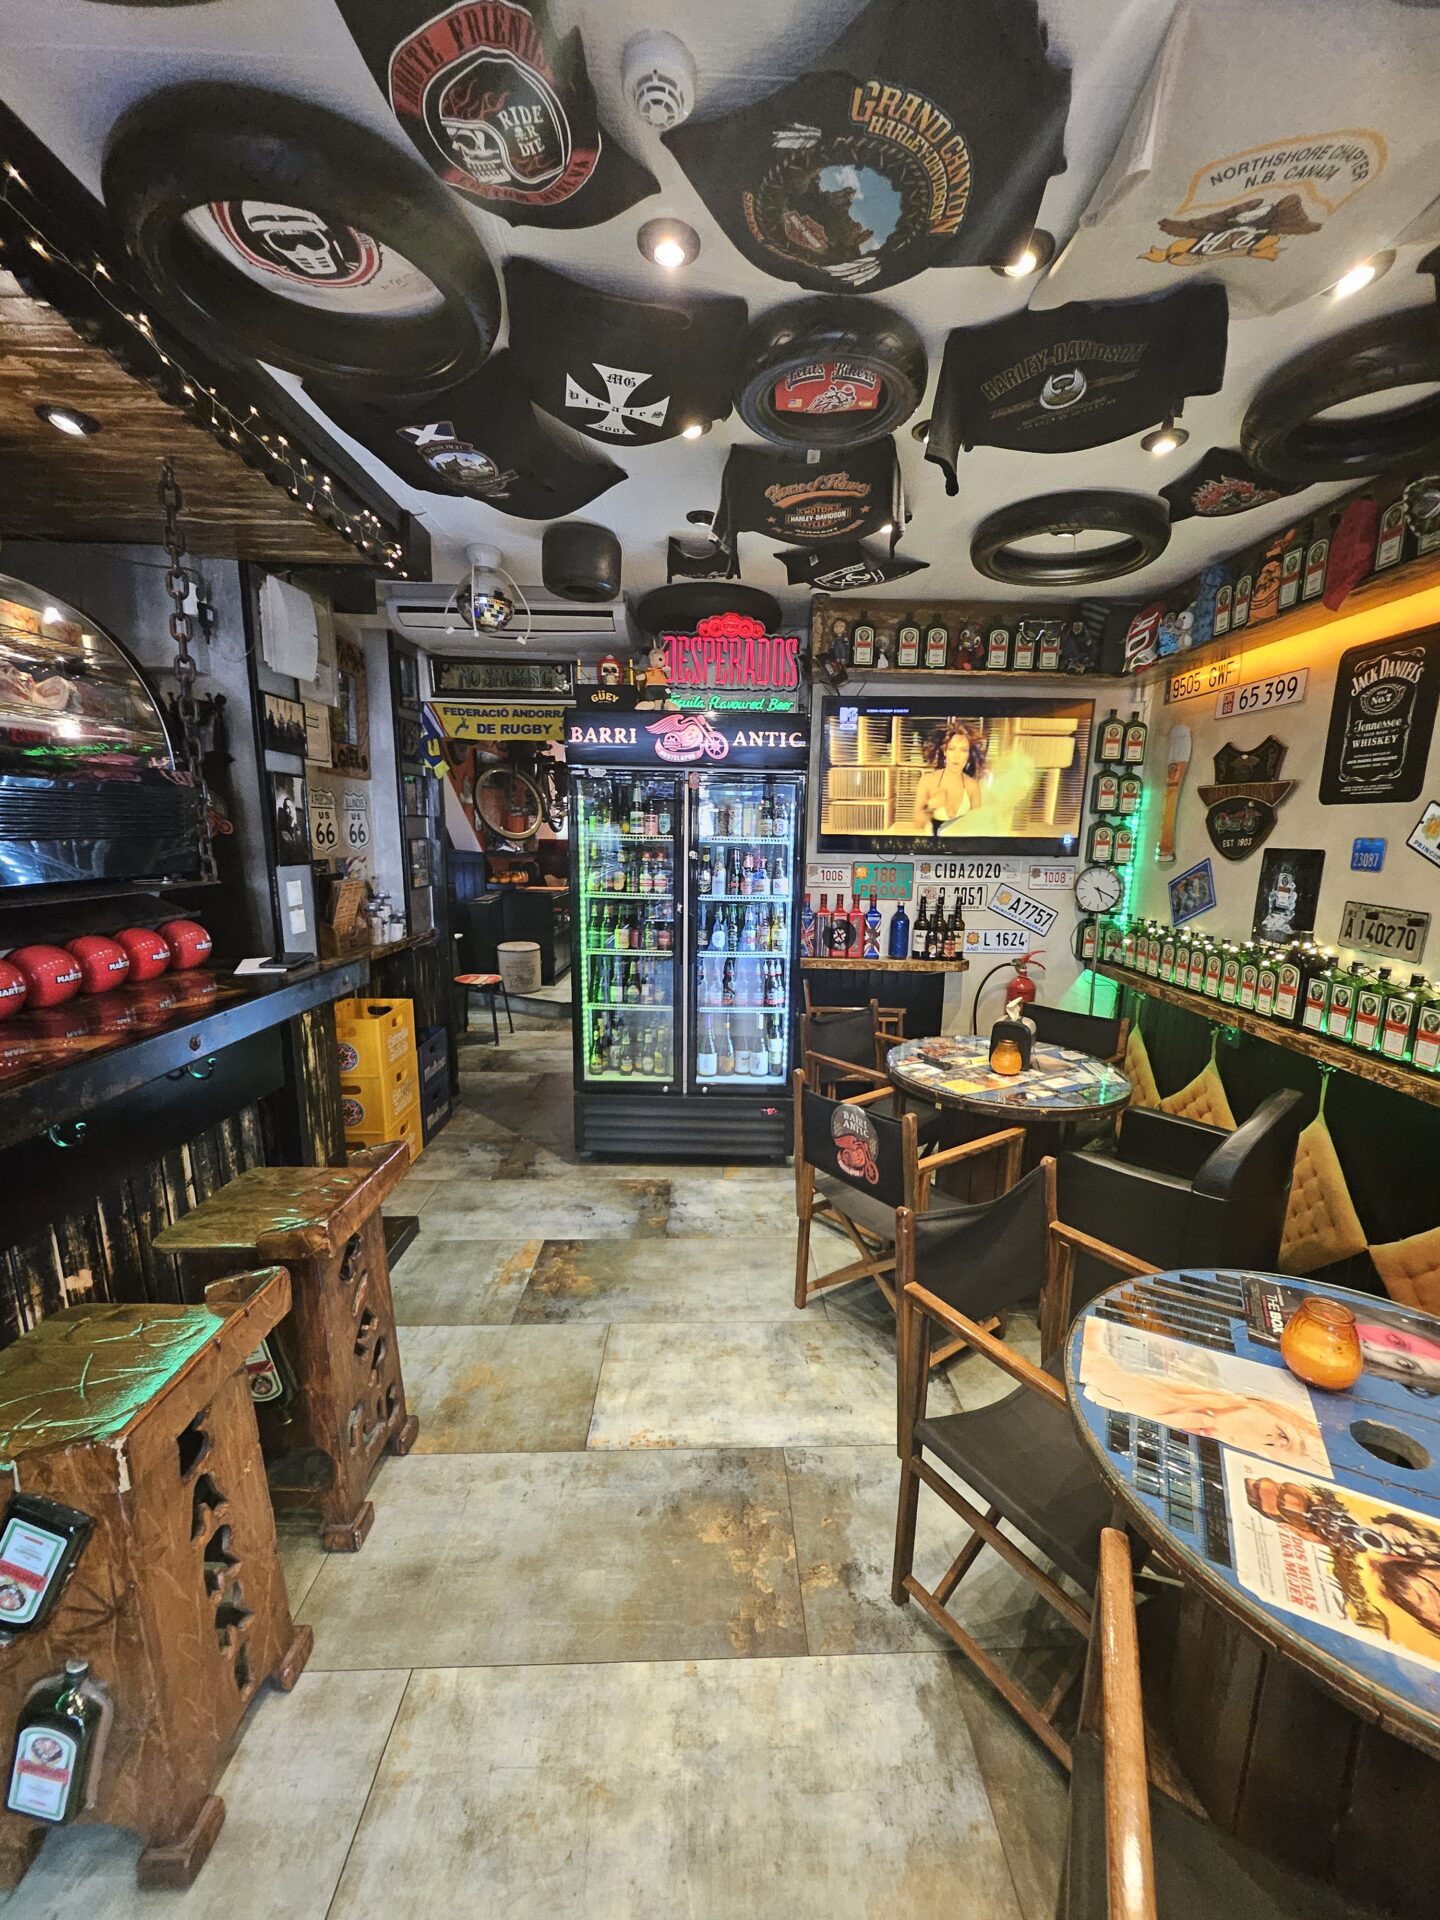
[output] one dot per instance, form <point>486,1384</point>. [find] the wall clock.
<point>1098,889</point>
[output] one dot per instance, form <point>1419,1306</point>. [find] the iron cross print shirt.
<point>504,114</point>
<point>924,138</point>
<point>1271,148</point>
<point>1077,376</point>
<point>625,372</point>
<point>479,440</point>
<point>845,494</point>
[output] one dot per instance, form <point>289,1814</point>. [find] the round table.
<point>1060,1084</point>
<point>1306,1528</point>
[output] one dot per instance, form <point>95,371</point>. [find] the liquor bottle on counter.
<point>1316,1015</point>
<point>920,939</point>
<point>1110,741</point>
<point>870,945</point>
<point>857,926</point>
<point>1195,982</point>
<point>1267,973</point>
<point>55,1744</point>
<point>1168,949</point>
<point>1230,974</point>
<point>1249,979</point>
<point>1290,969</point>
<point>822,929</point>
<point>842,931</point>
<point>1132,751</point>
<point>1370,1011</point>
<point>1345,986</point>
<point>807,930</point>
<point>899,932</point>
<point>1398,1023</point>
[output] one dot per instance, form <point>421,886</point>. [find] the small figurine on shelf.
<point>656,675</point>
<point>1011,1040</point>
<point>971,649</point>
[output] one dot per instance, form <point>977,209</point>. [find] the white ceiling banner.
<point>1272,148</point>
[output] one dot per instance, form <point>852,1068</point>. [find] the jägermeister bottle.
<point>1398,1024</point>
<point>997,649</point>
<point>937,648</point>
<point>1132,750</point>
<point>907,643</point>
<point>1230,975</point>
<point>1426,1056</point>
<point>1110,741</point>
<point>54,1744</point>
<point>1196,981</point>
<point>1249,979</point>
<point>1370,1012</point>
<point>39,1545</point>
<point>1340,1010</point>
<point>1265,981</point>
<point>862,644</point>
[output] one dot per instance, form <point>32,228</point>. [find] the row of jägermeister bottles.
<point>1300,984</point>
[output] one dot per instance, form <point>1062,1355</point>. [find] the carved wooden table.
<point>339,1401</point>
<point>139,1416</point>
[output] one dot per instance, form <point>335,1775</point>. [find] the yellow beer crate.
<point>374,1034</point>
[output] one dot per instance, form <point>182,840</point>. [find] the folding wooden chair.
<point>849,1044</point>
<point>1020,1454</point>
<point>856,1165</point>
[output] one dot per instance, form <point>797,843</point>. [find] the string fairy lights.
<point>262,446</point>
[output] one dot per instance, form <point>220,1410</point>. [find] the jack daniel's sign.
<point>1381,720</point>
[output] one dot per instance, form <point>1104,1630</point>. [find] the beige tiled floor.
<point>620,1646</point>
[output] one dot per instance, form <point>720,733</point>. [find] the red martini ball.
<point>52,975</point>
<point>149,954</point>
<point>188,942</point>
<point>104,963</point>
<point>13,989</point>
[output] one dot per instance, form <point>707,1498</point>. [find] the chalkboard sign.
<point>1381,720</point>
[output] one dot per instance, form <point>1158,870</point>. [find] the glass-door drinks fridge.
<point>686,834</point>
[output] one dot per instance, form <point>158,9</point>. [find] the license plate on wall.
<point>1396,932</point>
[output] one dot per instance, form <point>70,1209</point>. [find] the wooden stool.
<point>139,1416</point>
<point>489,984</point>
<point>334,1399</point>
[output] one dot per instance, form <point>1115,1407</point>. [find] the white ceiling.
<point>70,67</point>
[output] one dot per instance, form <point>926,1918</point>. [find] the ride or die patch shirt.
<point>923,138</point>
<point>1077,376</point>
<point>625,372</point>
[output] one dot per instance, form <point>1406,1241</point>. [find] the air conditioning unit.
<point>425,612</point>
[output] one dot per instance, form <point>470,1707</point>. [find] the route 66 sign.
<point>324,823</point>
<point>356,834</point>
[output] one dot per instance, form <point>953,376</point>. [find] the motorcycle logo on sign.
<point>682,737</point>
<point>452,459</point>
<point>1242,800</point>
<point>619,385</point>
<point>856,1143</point>
<point>1062,390</point>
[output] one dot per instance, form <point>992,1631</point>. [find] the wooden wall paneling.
<point>314,1129</point>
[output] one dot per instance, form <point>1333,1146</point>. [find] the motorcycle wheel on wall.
<point>300,237</point>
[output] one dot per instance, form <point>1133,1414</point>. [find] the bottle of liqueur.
<point>39,1545</point>
<point>1102,843</point>
<point>1370,1012</point>
<point>56,1743</point>
<point>920,939</point>
<point>1022,654</point>
<point>1398,1020</point>
<point>1244,591</point>
<point>1124,845</point>
<point>1110,741</point>
<point>807,930</point>
<point>937,648</point>
<point>1425,1057</point>
<point>907,643</point>
<point>870,946</point>
<point>900,933</point>
<point>1317,558</point>
<point>1196,981</point>
<point>997,650</point>
<point>1167,958</point>
<point>1315,1017</point>
<point>1131,793</point>
<point>1289,986</point>
<point>1340,1009</point>
<point>1230,975</point>
<point>1088,939</point>
<point>1105,791</point>
<point>822,928</point>
<point>1267,970</point>
<point>1214,970</point>
<point>1133,751</point>
<point>1390,545</point>
<point>862,642</point>
<point>725,1058</point>
<point>1180,976</point>
<point>955,935</point>
<point>842,931</point>
<point>1249,979</point>
<point>1111,943</point>
<point>1047,657</point>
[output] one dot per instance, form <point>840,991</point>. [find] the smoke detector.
<point>659,79</point>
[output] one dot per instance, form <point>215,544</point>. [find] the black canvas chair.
<point>846,1046</point>
<point>1134,1854</point>
<point>1021,1455</point>
<point>1097,1034</point>
<point>1177,1194</point>
<point>855,1165</point>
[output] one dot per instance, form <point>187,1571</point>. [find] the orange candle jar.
<point>1321,1344</point>
<point>1005,1058</point>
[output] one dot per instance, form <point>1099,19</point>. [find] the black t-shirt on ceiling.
<point>1077,376</point>
<point>501,111</point>
<point>924,138</point>
<point>1222,483</point>
<point>477,440</point>
<point>625,372</point>
<point>846,494</point>
<point>847,567</point>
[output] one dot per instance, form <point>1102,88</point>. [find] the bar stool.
<point>489,984</point>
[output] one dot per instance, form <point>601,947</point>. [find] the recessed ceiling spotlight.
<point>1362,274</point>
<point>921,432</point>
<point>669,243</point>
<point>1037,252</point>
<point>693,429</point>
<point>700,517</point>
<point>68,420</point>
<point>1165,439</point>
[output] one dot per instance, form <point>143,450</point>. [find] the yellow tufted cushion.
<point>1411,1269</point>
<point>1139,1072</point>
<point>1202,1099</point>
<point>1321,1223</point>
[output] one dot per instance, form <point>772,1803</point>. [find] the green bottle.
<point>1345,984</point>
<point>1398,1027</point>
<point>1426,1057</point>
<point>55,1742</point>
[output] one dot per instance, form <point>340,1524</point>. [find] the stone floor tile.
<point>293,1795</point>
<point>743,1206</point>
<point>844,1502</point>
<point>502,1389</point>
<point>442,1282</point>
<point>772,1788</point>
<point>667,1281</point>
<point>581,1207</point>
<point>523,1559</point>
<point>805,1382</point>
<point>301,1554</point>
<point>1029,1794</point>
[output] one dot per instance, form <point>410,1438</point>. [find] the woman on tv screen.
<point>955,784</point>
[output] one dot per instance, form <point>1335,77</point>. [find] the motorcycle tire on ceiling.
<point>1141,526</point>
<point>681,607</point>
<point>306,240</point>
<point>829,372</point>
<point>580,561</point>
<point>1284,437</point>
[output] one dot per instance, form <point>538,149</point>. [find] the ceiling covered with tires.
<point>437,224</point>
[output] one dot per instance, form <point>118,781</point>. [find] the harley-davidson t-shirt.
<point>845,495</point>
<point>923,138</point>
<point>1077,376</point>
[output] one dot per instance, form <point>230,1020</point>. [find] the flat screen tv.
<point>972,773</point>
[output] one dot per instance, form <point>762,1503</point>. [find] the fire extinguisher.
<point>1018,987</point>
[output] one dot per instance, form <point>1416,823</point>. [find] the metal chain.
<point>182,632</point>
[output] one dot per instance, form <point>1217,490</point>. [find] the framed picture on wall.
<point>292,835</point>
<point>412,739</point>
<point>421,867</point>
<point>350,716</point>
<point>1381,720</point>
<point>282,725</point>
<point>1289,892</point>
<point>407,679</point>
<point>1192,892</point>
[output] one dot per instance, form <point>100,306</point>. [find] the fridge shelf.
<point>747,839</point>
<point>611,1077</point>
<point>636,839</point>
<point>743,953</point>
<point>631,953</point>
<point>744,899</point>
<point>736,1006</point>
<point>604,894</point>
<point>661,1009</point>
<point>741,1079</point>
